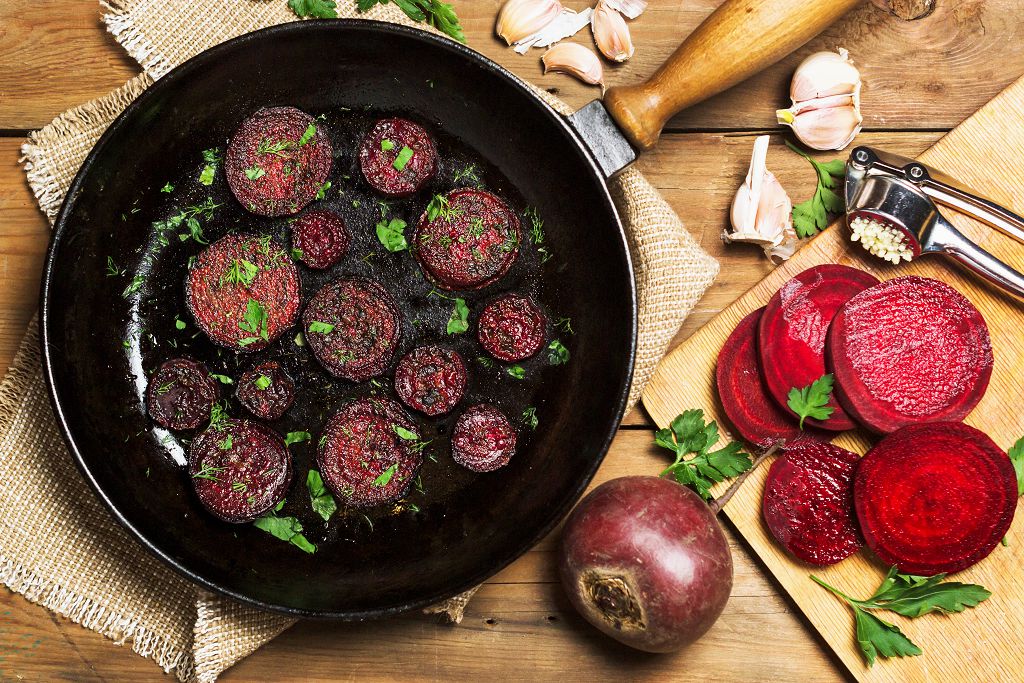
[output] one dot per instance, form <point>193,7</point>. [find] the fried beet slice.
<point>398,157</point>
<point>935,498</point>
<point>794,327</point>
<point>909,350</point>
<point>365,454</point>
<point>431,379</point>
<point>353,327</point>
<point>512,327</point>
<point>266,390</point>
<point>277,161</point>
<point>483,439</point>
<point>467,239</point>
<point>745,400</point>
<point>243,292</point>
<point>181,394</point>
<point>240,469</point>
<point>321,238</point>
<point>808,502</point>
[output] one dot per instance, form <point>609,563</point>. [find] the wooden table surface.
<point>922,77</point>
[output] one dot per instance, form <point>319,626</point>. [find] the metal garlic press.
<point>892,210</point>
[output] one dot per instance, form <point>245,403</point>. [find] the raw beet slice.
<point>745,400</point>
<point>353,327</point>
<point>431,379</point>
<point>266,390</point>
<point>382,150</point>
<point>274,167</point>
<point>935,498</point>
<point>808,502</point>
<point>181,394</point>
<point>512,328</point>
<point>470,243</point>
<point>239,469</point>
<point>362,456</point>
<point>321,238</point>
<point>794,327</point>
<point>483,439</point>
<point>909,350</point>
<point>235,282</point>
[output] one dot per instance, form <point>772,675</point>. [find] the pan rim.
<point>182,71</point>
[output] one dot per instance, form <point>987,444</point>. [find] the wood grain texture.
<point>952,650</point>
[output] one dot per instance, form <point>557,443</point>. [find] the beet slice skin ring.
<point>266,390</point>
<point>431,379</point>
<point>321,238</point>
<point>181,394</point>
<point>277,161</point>
<point>398,157</point>
<point>240,469</point>
<point>483,439</point>
<point>794,328</point>
<point>353,328</point>
<point>909,350</point>
<point>808,502</point>
<point>365,455</point>
<point>935,498</point>
<point>512,328</point>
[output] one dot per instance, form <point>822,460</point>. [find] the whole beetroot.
<point>644,560</point>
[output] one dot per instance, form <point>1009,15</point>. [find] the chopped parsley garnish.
<point>558,354</point>
<point>476,226</point>
<point>239,486</point>
<point>440,207</point>
<point>307,135</point>
<point>468,173</point>
<point>255,323</point>
<point>179,324</point>
<point>262,382</point>
<point>320,499</point>
<point>297,254</point>
<point>403,158</point>
<point>218,416</point>
<point>112,269</point>
<point>255,173</point>
<point>278,148</point>
<point>212,159</point>
<point>242,272</point>
<point>386,145</point>
<point>385,477</point>
<point>392,234</point>
<point>530,417</point>
<point>296,437</point>
<point>208,472</point>
<point>318,327</point>
<point>133,286</point>
<point>458,322</point>
<point>404,433</point>
<point>485,361</point>
<point>165,388</point>
<point>223,379</point>
<point>300,340</point>
<point>516,371</point>
<point>536,226</point>
<point>167,189</point>
<point>565,325</point>
<point>225,444</point>
<point>285,528</point>
<point>322,192</point>
<point>188,216</point>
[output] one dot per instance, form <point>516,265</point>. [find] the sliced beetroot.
<point>238,282</point>
<point>470,243</point>
<point>364,456</point>
<point>266,390</point>
<point>935,498</point>
<point>808,502</point>
<point>181,394</point>
<point>321,238</point>
<point>274,165</point>
<point>386,165</point>
<point>353,327</point>
<point>483,439</point>
<point>909,350</point>
<point>240,469</point>
<point>512,327</point>
<point>431,379</point>
<point>794,328</point>
<point>745,400</point>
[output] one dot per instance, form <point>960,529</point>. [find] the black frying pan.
<point>467,532</point>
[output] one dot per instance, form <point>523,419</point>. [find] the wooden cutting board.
<point>981,644</point>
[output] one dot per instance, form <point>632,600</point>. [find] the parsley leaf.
<point>285,528</point>
<point>515,371</point>
<point>689,434</point>
<point>559,354</point>
<point>403,158</point>
<point>386,145</point>
<point>255,173</point>
<point>262,382</point>
<point>459,320</point>
<point>223,379</point>
<point>811,217</point>
<point>530,417</point>
<point>241,272</point>
<point>438,14</point>
<point>179,324</point>
<point>322,192</point>
<point>167,189</point>
<point>812,401</point>
<point>307,135</point>
<point>439,206</point>
<point>385,477</point>
<point>296,437</point>
<point>878,637</point>
<point>392,235</point>
<point>212,159</point>
<point>322,501</point>
<point>318,327</point>
<point>1016,454</point>
<point>404,433</point>
<point>319,9</point>
<point>255,322</point>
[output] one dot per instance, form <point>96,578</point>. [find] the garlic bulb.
<point>566,24</point>
<point>826,101</point>
<point>631,9</point>
<point>611,33</point>
<point>519,19</point>
<point>576,60</point>
<point>762,211</point>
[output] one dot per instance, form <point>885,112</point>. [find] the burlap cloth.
<point>59,547</point>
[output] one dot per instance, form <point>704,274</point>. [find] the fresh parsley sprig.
<point>688,435</point>
<point>285,528</point>
<point>812,401</point>
<point>317,9</point>
<point>438,14</point>
<point>811,217</point>
<point>391,234</point>
<point>1016,454</point>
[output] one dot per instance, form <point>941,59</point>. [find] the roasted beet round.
<point>512,328</point>
<point>353,327</point>
<point>266,390</point>
<point>935,498</point>
<point>321,238</point>
<point>240,469</point>
<point>243,292</point>
<point>365,455</point>
<point>277,161</point>
<point>471,241</point>
<point>181,394</point>
<point>808,502</point>
<point>909,350</point>
<point>431,379</point>
<point>397,157</point>
<point>483,439</point>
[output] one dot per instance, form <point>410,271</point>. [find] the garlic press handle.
<point>945,238</point>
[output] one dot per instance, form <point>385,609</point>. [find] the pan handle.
<point>739,39</point>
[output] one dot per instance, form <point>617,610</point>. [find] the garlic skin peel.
<point>575,60</point>
<point>519,19</point>
<point>762,212</point>
<point>631,9</point>
<point>611,33</point>
<point>826,101</point>
<point>565,25</point>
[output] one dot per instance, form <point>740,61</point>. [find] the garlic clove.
<point>824,74</point>
<point>762,210</point>
<point>631,9</point>
<point>611,33</point>
<point>575,60</point>
<point>565,25</point>
<point>826,101</point>
<point>519,19</point>
<point>832,128</point>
